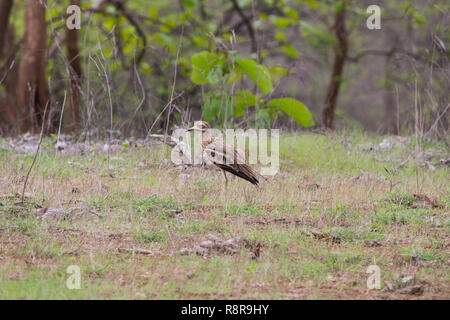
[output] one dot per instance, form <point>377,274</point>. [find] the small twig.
<point>144,95</point>
<point>164,109</point>
<point>131,19</point>
<point>169,111</point>
<point>169,140</point>
<point>437,120</point>
<point>36,153</point>
<point>7,71</point>
<point>248,23</point>
<point>61,118</point>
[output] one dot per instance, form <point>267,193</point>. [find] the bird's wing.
<point>219,152</point>
<point>230,159</point>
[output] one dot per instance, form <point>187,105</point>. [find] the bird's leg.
<point>226,192</point>
<point>226,180</point>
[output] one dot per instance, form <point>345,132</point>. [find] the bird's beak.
<point>191,129</point>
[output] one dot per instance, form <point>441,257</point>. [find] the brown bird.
<point>224,156</point>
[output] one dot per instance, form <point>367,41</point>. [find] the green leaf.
<point>202,64</point>
<point>216,108</point>
<point>290,51</point>
<point>312,3</point>
<point>153,13</point>
<point>315,33</point>
<point>234,76</point>
<point>291,13</point>
<point>171,20</point>
<point>189,3</point>
<point>107,52</point>
<point>338,5</point>
<point>145,67</point>
<point>278,72</point>
<point>280,36</point>
<point>282,22</point>
<point>165,40</point>
<point>295,109</point>
<point>211,109</point>
<point>244,3</point>
<point>420,20</point>
<point>200,41</point>
<point>213,76</point>
<point>242,100</point>
<point>258,73</point>
<point>109,23</point>
<point>263,117</point>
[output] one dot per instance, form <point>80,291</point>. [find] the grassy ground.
<point>331,212</point>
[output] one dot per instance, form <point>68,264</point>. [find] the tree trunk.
<point>33,95</point>
<point>340,55</point>
<point>5,9</point>
<point>73,57</point>
<point>7,72</point>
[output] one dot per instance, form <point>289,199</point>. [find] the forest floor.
<point>140,228</point>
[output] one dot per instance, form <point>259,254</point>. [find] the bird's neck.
<point>207,138</point>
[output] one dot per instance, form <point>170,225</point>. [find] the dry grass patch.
<point>309,232</point>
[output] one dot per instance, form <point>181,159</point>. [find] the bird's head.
<point>200,126</point>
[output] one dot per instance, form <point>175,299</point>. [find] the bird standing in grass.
<point>224,156</point>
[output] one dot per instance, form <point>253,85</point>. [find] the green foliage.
<point>316,35</point>
<point>212,109</point>
<point>242,100</point>
<point>258,73</point>
<point>293,31</point>
<point>295,109</point>
<point>226,68</point>
<point>278,72</point>
<point>203,64</point>
<point>290,51</point>
<point>282,22</point>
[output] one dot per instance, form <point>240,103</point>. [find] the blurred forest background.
<point>140,66</point>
